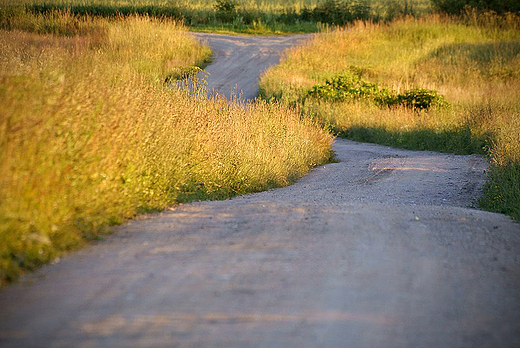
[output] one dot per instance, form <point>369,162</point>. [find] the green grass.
<point>90,134</point>
<point>473,62</point>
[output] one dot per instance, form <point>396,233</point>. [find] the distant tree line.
<point>334,12</point>
<point>456,7</point>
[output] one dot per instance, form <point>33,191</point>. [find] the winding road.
<point>381,249</point>
<point>239,61</point>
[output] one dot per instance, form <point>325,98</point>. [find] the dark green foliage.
<point>349,86</point>
<point>338,12</point>
<point>106,10</point>
<point>420,99</point>
<point>226,10</point>
<point>399,8</point>
<point>457,7</point>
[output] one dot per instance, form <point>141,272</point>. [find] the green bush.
<point>420,99</point>
<point>349,87</point>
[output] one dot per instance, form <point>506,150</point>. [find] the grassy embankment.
<point>474,63</point>
<point>90,134</point>
<point>245,16</point>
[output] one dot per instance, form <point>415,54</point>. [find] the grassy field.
<point>473,64</point>
<point>245,16</point>
<point>91,135</point>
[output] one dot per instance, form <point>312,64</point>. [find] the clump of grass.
<point>91,135</point>
<point>473,62</point>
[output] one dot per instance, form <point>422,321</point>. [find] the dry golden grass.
<point>474,63</point>
<point>90,135</point>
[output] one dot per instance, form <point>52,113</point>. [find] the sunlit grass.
<point>91,135</point>
<point>249,16</point>
<point>473,62</point>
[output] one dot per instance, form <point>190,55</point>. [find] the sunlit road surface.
<point>377,250</point>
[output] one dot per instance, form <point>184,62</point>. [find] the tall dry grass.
<point>474,62</point>
<point>90,135</point>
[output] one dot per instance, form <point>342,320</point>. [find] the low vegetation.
<point>436,83</point>
<point>350,86</point>
<point>91,134</point>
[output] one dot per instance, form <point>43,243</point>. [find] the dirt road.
<point>239,60</point>
<point>377,250</point>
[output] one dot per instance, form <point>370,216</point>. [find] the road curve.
<point>377,250</point>
<point>238,60</point>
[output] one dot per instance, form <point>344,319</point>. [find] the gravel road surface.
<point>239,60</point>
<point>381,249</point>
